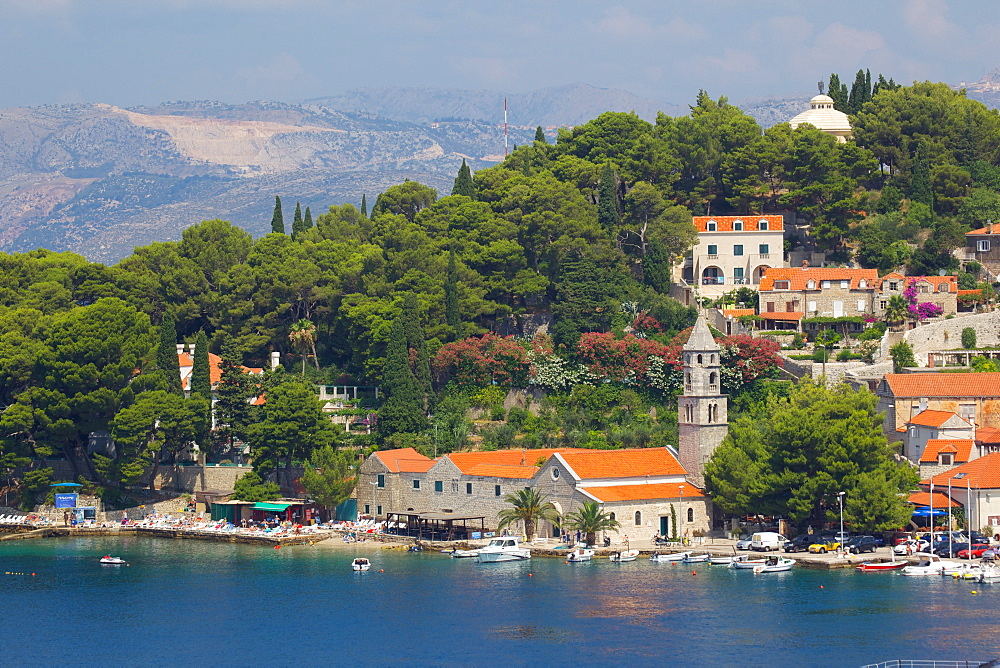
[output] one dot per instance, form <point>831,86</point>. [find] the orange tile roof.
<point>950,281</point>
<point>214,368</point>
<point>940,499</point>
<point>782,315</point>
<point>667,490</point>
<point>976,291</point>
<point>929,418</point>
<point>983,230</point>
<point>623,463</point>
<point>981,473</point>
<point>944,384</point>
<point>405,460</point>
<point>750,223</point>
<point>988,435</point>
<point>501,471</point>
<point>737,312</point>
<point>467,461</point>
<point>798,277</point>
<point>960,447</point>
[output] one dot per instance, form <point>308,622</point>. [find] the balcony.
<point>741,281</point>
<point>713,388</point>
<point>712,256</point>
<point>764,256</point>
<point>713,280</point>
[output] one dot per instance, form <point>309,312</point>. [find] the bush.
<point>968,338</point>
<point>872,333</point>
<point>797,341</point>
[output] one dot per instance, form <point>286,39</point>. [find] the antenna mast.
<point>505,149</point>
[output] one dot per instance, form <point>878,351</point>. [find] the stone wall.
<point>946,334</point>
<point>201,478</point>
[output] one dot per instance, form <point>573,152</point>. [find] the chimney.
<point>191,350</point>
<point>922,406</point>
<point>275,360</point>
<point>180,348</point>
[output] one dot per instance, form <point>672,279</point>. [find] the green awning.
<point>274,507</point>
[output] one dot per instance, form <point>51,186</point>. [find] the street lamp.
<point>840,501</point>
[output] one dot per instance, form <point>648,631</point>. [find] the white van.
<point>766,541</point>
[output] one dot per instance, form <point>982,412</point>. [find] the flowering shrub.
<point>745,359</point>
<point>645,324</point>
<point>625,360</point>
<point>550,371</point>
<point>479,361</point>
<point>920,310</point>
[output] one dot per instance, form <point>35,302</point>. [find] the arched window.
<point>699,359</point>
<point>762,225</point>
<point>712,227</point>
<point>713,378</point>
<point>638,518</point>
<point>738,226</point>
<point>612,516</point>
<point>811,285</point>
<point>687,378</point>
<point>712,359</point>
<point>690,514</point>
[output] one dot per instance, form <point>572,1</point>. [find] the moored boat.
<point>696,558</point>
<point>627,555</point>
<point>580,554</point>
<point>721,561</point>
<point>929,564</point>
<point>878,566</point>
<point>464,554</point>
<point>775,565</point>
<point>664,558</point>
<point>114,561</point>
<point>361,564</point>
<point>746,562</point>
<point>505,548</point>
<point>989,573</point>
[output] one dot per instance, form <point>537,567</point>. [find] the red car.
<point>973,551</point>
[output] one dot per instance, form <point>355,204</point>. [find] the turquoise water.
<point>234,605</point>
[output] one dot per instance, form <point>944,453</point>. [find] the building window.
<point>555,470</point>
<point>946,458</point>
<point>638,518</point>
<point>967,412</point>
<point>811,307</point>
<point>416,484</point>
<point>712,227</point>
<point>690,514</point>
<point>943,287</point>
<point>882,304</point>
<point>825,285</point>
<point>863,284</point>
<point>762,225</point>
<point>381,480</point>
<point>438,486</point>
<point>811,284</point>
<point>763,249</point>
<point>378,510</point>
<point>893,285</point>
<point>468,488</point>
<point>770,307</point>
<point>781,285</point>
<point>699,359</point>
<point>713,249</point>
<point>845,285</point>
<point>861,306</point>
<point>611,516</point>
<point>454,485</point>
<point>738,249</point>
<point>738,226</point>
<point>983,245</point>
<point>368,509</point>
<point>738,274</point>
<point>496,490</point>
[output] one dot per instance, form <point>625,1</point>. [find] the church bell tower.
<point>702,409</point>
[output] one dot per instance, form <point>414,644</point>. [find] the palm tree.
<point>591,519</point>
<point>303,337</point>
<point>896,311</point>
<point>527,506</point>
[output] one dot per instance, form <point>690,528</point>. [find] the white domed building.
<point>823,116</point>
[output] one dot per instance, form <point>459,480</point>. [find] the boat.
<point>746,562</point>
<point>506,548</point>
<point>721,561</point>
<point>696,558</point>
<point>877,566</point>
<point>929,564</point>
<point>415,548</point>
<point>627,555</point>
<point>464,554</point>
<point>664,558</point>
<point>989,573</point>
<point>108,559</point>
<point>774,565</point>
<point>361,564</point>
<point>580,554</point>
<point>964,571</point>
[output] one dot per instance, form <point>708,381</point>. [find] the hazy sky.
<point>147,51</point>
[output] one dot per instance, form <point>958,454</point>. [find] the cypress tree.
<point>607,202</point>
<point>417,342</point>
<point>920,186</point>
<point>403,407</point>
<point>277,219</point>
<point>307,222</point>
<point>166,353</point>
<point>452,313</point>
<point>297,222</point>
<point>201,378</point>
<point>364,205</point>
<point>464,185</point>
<point>868,85</point>
<point>233,393</point>
<point>858,94</point>
<point>838,92</point>
<point>540,135</point>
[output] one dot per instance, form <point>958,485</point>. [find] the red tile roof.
<point>405,460</point>
<point>944,384</point>
<point>623,463</point>
<point>667,490</point>
<point>214,368</point>
<point>975,291</point>
<point>468,461</point>
<point>799,277</point>
<point>737,312</point>
<point>951,282</point>
<point>750,223</point>
<point>960,447</point>
<point>501,471</point>
<point>981,473</point>
<point>782,315</point>
<point>984,230</point>
<point>924,499</point>
<point>989,435</point>
<point>929,418</point>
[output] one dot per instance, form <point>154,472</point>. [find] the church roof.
<point>701,337</point>
<point>823,116</point>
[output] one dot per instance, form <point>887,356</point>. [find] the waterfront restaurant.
<point>296,511</point>
<point>436,526</point>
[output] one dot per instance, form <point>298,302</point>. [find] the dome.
<point>823,116</point>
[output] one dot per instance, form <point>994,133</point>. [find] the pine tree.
<point>201,372</point>
<point>277,219</point>
<point>607,203</point>
<point>298,225</point>
<point>540,135</point>
<point>166,353</point>
<point>452,313</point>
<point>464,185</point>
<point>364,205</point>
<point>233,392</point>
<point>920,187</point>
<point>307,222</point>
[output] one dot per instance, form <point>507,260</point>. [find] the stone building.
<point>702,411</point>
<point>930,425</point>
<point>940,290</point>
<point>943,454</point>
<point>789,295</point>
<point>733,251</point>
<point>975,397</point>
<point>976,485</point>
<point>385,480</point>
<point>983,246</point>
<point>822,116</point>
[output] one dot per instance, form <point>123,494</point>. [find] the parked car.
<point>860,544</point>
<point>744,542</point>
<point>975,551</point>
<point>800,543</point>
<point>943,548</point>
<point>824,545</point>
<point>842,536</point>
<point>765,541</point>
<point>909,546</point>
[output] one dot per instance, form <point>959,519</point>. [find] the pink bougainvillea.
<point>484,360</point>
<point>920,310</point>
<point>646,324</point>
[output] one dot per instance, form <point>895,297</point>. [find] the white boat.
<point>580,554</point>
<point>361,564</point>
<point>464,554</point>
<point>627,555</point>
<point>721,561</point>
<point>506,548</point>
<point>746,562</point>
<point>664,558</point>
<point>989,573</point>
<point>929,564</point>
<point>774,565</point>
<point>969,572</point>
<point>697,558</point>
<point>108,559</point>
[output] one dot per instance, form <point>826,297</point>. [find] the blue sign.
<point>476,534</point>
<point>489,534</point>
<point>66,500</point>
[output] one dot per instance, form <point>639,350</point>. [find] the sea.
<point>180,602</point>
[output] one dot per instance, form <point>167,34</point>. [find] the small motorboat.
<point>965,571</point>
<point>696,558</point>
<point>627,555</point>
<point>878,566</point>
<point>415,548</point>
<point>746,562</point>
<point>114,561</point>
<point>989,573</point>
<point>665,558</point>
<point>721,561</point>
<point>929,564</point>
<point>361,564</point>
<point>580,554</point>
<point>464,554</point>
<point>505,548</point>
<point>775,565</point>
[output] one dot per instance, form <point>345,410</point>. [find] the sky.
<point>138,52</point>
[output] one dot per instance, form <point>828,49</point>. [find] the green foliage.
<point>292,426</point>
<point>453,313</point>
<point>984,365</point>
<point>330,476</point>
<point>464,184</point>
<point>251,487</point>
<point>158,423</point>
<point>590,519</point>
<point>298,224</point>
<point>607,204</point>
<point>407,199</point>
<point>902,356</point>
<point>968,337</point>
<point>166,353</point>
<point>403,410</point>
<point>233,392</point>
<point>201,380</point>
<point>528,506</point>
<point>277,218</point>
